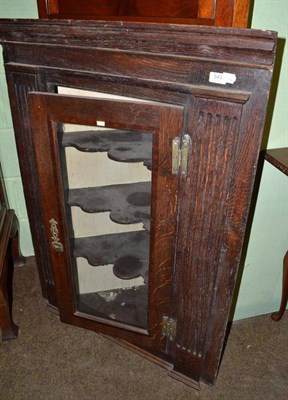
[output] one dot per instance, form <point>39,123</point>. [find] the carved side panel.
<point>213,128</point>
<point>19,85</point>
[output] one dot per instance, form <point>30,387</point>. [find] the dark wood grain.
<point>212,43</point>
<point>240,192</point>
<point>202,219</point>
<point>198,220</point>
<point>19,85</point>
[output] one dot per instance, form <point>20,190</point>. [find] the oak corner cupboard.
<point>138,145</point>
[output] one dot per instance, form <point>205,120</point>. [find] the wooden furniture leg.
<point>9,329</point>
<point>18,259</point>
<point>276,316</point>
<point>10,256</point>
<point>279,158</point>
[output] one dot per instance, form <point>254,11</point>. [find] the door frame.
<point>166,122</point>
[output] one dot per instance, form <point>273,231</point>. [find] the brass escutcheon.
<point>56,244</point>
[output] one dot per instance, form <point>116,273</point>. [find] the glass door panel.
<point>107,181</point>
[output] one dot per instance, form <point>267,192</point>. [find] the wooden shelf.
<point>128,252</point>
<point>123,305</point>
<point>278,158</point>
<point>124,146</point>
<point>127,203</point>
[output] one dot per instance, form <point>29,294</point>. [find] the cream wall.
<point>261,281</point>
<point>8,155</point>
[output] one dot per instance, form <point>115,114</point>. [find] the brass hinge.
<point>169,327</point>
<point>180,155</point>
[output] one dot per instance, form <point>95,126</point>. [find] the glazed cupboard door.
<point>109,201</point>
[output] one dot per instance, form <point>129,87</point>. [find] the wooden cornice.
<point>245,46</point>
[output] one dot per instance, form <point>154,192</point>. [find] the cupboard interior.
<point>107,178</point>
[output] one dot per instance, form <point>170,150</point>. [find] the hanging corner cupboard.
<point>138,146</point>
